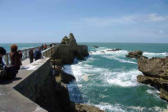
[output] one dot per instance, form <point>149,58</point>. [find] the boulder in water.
<point>117,49</point>
<point>135,54</point>
<point>95,46</point>
<point>87,108</point>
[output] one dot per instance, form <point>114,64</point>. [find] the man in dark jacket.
<point>37,54</point>
<point>31,55</point>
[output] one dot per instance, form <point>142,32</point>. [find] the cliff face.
<point>68,50</point>
<point>155,73</point>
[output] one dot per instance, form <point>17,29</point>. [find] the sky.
<point>89,20</point>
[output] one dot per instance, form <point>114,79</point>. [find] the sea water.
<point>107,79</point>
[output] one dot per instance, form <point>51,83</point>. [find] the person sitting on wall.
<point>15,58</point>
<point>31,55</point>
<point>37,54</point>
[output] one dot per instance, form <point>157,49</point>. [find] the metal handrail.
<point>25,54</point>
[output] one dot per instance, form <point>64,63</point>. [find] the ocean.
<point>107,79</point>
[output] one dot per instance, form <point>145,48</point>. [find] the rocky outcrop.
<point>68,50</point>
<point>86,108</point>
<point>65,40</point>
<point>67,78</point>
<point>156,67</point>
<point>135,54</point>
<point>95,46</point>
<point>155,73</point>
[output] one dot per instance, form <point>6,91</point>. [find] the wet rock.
<point>155,73</point>
<point>156,67</point>
<point>67,78</point>
<point>164,94</point>
<point>153,81</point>
<point>135,54</point>
<point>87,108</point>
<point>95,46</point>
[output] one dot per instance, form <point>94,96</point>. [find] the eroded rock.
<point>68,50</point>
<point>87,108</point>
<point>135,54</point>
<point>156,67</point>
<point>155,73</point>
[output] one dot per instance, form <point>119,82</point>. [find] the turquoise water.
<point>108,79</point>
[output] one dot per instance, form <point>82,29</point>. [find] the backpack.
<point>3,73</point>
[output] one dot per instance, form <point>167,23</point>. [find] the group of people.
<point>35,54</point>
<point>10,71</point>
<point>15,55</point>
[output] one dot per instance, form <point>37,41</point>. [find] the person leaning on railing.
<point>37,54</point>
<point>15,58</point>
<point>31,55</point>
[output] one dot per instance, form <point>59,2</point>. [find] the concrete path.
<point>10,99</point>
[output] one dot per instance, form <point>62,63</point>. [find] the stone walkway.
<point>13,101</point>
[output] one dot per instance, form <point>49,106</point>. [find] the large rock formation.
<point>135,54</point>
<point>156,67</point>
<point>65,40</point>
<point>155,73</point>
<point>68,50</point>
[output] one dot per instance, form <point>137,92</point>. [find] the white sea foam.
<point>153,91</point>
<point>112,108</point>
<point>151,54</point>
<point>107,51</point>
<point>119,59</point>
<point>82,71</point>
<point>121,108</point>
<point>116,55</point>
<point>123,79</point>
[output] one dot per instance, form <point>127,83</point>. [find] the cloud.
<point>124,20</point>
<point>156,18</point>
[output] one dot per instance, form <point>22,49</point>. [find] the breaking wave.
<point>120,108</point>
<point>151,54</point>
